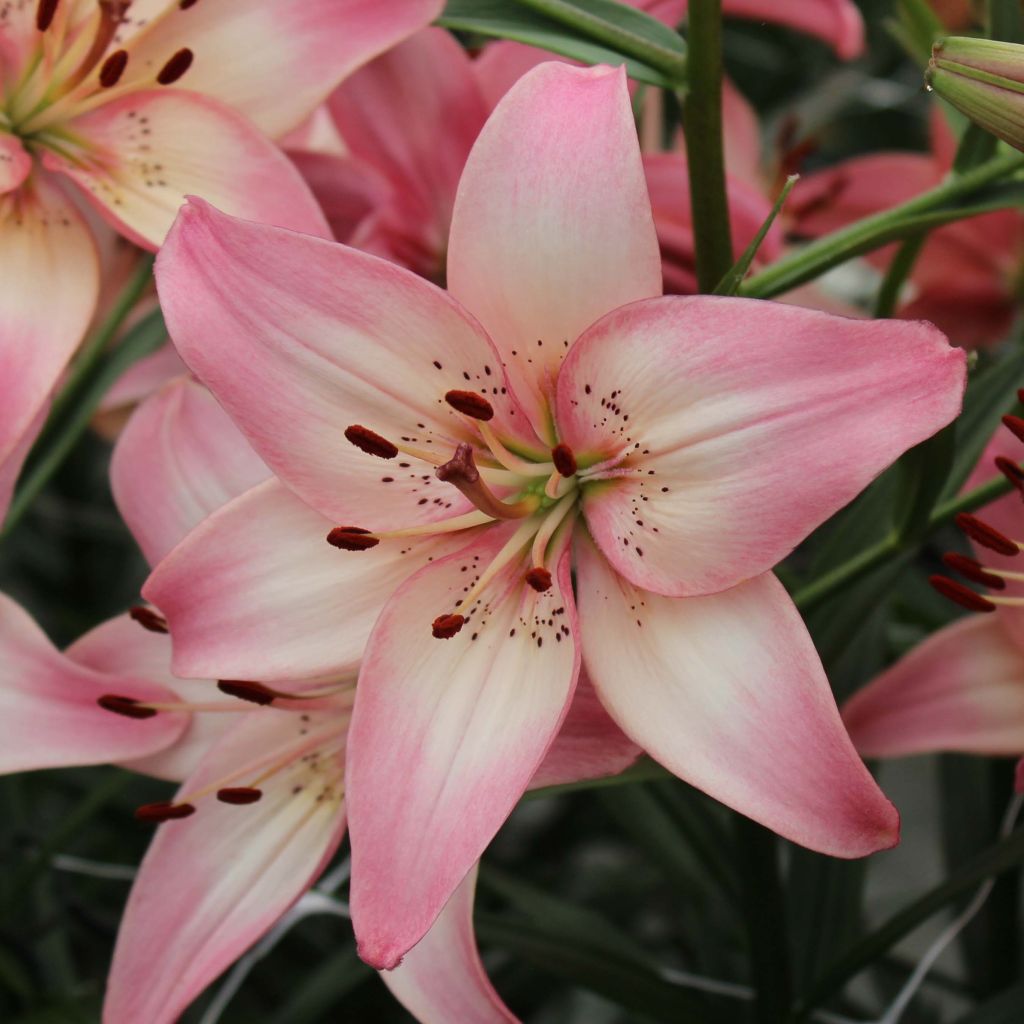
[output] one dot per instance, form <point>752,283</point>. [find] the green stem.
<point>764,909</point>
<point>898,272</point>
<point>702,121</point>
<point>872,232</point>
<point>60,438</point>
<point>870,558</point>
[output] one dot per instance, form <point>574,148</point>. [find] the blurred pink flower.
<point>132,108</point>
<point>698,440</point>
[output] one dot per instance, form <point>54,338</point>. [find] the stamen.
<point>509,460</point>
<point>550,525</point>
<point>471,404</point>
<point>44,14</point>
<point>239,795</point>
<point>163,811</point>
<point>539,579</point>
<point>974,571</point>
<point>112,69</point>
<point>352,538</point>
<point>444,627</point>
<point>148,619</point>
<point>126,706</point>
<point>460,471</point>
<point>961,595</point>
<point>175,67</point>
<point>985,535</point>
<point>564,460</point>
<point>1015,425</point>
<point>255,693</point>
<point>1011,471</point>
<point>367,441</point>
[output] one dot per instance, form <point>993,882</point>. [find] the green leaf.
<point>316,994</point>
<point>1006,21</point>
<point>922,473</point>
<point>590,31</point>
<point>916,28</point>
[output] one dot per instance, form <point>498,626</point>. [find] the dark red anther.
<point>184,5</point>
<point>564,460</point>
<point>239,795</point>
<point>1015,425</point>
<point>124,706</point>
<point>446,626</point>
<point>163,811</point>
<point>974,571</point>
<point>961,595</point>
<point>1011,471</point>
<point>1020,395</point>
<point>243,689</point>
<point>351,538</point>
<point>985,535</point>
<point>44,14</point>
<point>367,441</point>
<point>469,403</point>
<point>175,67</point>
<point>148,619</point>
<point>113,68</point>
<point>539,579</point>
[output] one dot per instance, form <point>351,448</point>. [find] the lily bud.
<point>984,79</point>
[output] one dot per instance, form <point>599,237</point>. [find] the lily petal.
<point>446,735</point>
<point>49,717</point>
<point>743,426</point>
<point>212,884</point>
<point>571,236</point>
<point>145,152</point>
<point>961,689</point>
<point>346,189</point>
<point>45,250</point>
<point>441,979</point>
<point>328,337</point>
<point>178,460</point>
<point>728,693</point>
<point>121,647</point>
<point>273,60</point>
<point>256,592</point>
<point>15,163</point>
<point>836,22</point>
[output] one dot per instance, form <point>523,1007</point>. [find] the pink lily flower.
<point>467,460</point>
<point>131,106</point>
<point>961,689</point>
<point>966,278</point>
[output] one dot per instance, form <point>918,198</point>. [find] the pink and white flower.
<point>131,106</point>
<point>470,448</point>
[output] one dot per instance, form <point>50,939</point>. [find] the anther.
<point>539,579</point>
<point>351,538</point>
<point>564,460</point>
<point>175,67</point>
<point>243,689</point>
<point>239,795</point>
<point>961,595</point>
<point>125,706</point>
<point>985,535</point>
<point>1015,425</point>
<point>113,68</point>
<point>163,811</point>
<point>446,626</point>
<point>367,441</point>
<point>974,571</point>
<point>44,14</point>
<point>148,619</point>
<point>1011,471</point>
<point>469,403</point>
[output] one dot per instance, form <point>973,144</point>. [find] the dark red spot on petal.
<point>446,626</point>
<point>125,706</point>
<point>974,571</point>
<point>367,441</point>
<point>255,693</point>
<point>564,460</point>
<point>351,538</point>
<point>163,811</point>
<point>239,795</point>
<point>469,403</point>
<point>113,68</point>
<point>961,595</point>
<point>175,67</point>
<point>186,4</point>
<point>985,535</point>
<point>539,579</point>
<point>148,619</point>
